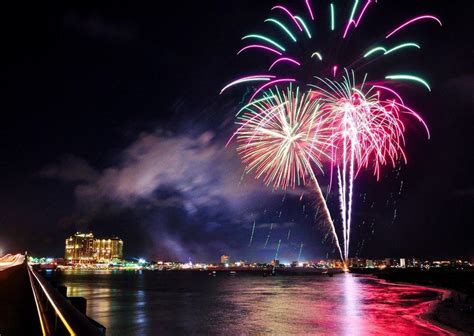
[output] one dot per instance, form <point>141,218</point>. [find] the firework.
<point>283,138</point>
<point>288,28</point>
<point>367,131</point>
<point>356,125</point>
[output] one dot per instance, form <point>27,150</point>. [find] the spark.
<point>410,78</point>
<point>317,54</point>
<point>332,16</point>
<point>254,78</point>
<point>273,82</point>
<point>290,15</point>
<point>394,215</point>
<point>299,254</point>
<point>310,10</point>
<point>268,237</point>
<point>422,17</point>
<point>386,52</point>
<point>251,236</point>
<point>283,27</point>
<point>266,39</point>
<point>284,59</point>
<point>259,46</point>
<point>278,249</point>
<point>351,20</point>
<point>304,26</point>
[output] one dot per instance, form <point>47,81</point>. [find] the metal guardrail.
<point>57,315</point>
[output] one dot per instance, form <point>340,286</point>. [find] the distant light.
<point>141,261</point>
<point>300,264</point>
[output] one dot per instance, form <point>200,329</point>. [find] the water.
<point>185,303</point>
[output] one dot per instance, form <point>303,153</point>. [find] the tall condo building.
<point>83,248</point>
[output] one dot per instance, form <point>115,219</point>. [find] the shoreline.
<point>430,315</point>
<point>436,311</point>
<point>444,314</point>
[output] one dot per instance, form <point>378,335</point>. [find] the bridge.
<point>30,305</point>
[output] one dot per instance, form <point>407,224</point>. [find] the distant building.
<point>413,262</point>
<point>357,262</point>
<point>106,250</point>
<point>403,262</point>
<point>83,248</point>
<point>80,248</point>
<point>224,259</point>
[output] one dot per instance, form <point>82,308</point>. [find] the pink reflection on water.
<point>182,303</point>
<point>351,306</point>
<point>373,306</point>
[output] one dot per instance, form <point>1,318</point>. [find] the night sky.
<point>112,122</point>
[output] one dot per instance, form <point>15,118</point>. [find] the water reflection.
<point>151,303</point>
<point>352,305</point>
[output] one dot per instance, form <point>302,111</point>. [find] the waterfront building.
<point>80,248</point>
<point>413,262</point>
<point>83,248</point>
<point>106,250</point>
<point>357,262</point>
<point>224,259</point>
<point>402,262</point>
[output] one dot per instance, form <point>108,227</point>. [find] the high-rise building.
<point>80,248</point>
<point>402,262</point>
<point>224,259</point>
<point>83,248</point>
<point>106,250</point>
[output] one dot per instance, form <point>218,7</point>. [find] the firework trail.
<point>288,236</point>
<point>251,235</point>
<point>282,137</point>
<point>301,249</point>
<point>268,237</point>
<point>368,130</point>
<point>293,55</point>
<point>278,249</point>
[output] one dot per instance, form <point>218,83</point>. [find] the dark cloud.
<point>184,191</point>
<point>182,163</point>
